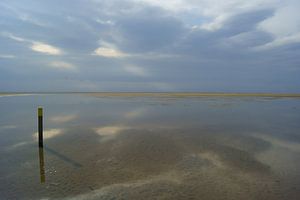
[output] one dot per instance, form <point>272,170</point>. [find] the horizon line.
<point>175,94</point>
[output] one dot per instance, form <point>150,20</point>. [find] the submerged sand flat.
<point>140,148</point>
<point>154,164</point>
<point>16,94</point>
<point>189,94</point>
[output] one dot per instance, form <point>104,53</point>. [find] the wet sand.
<point>14,94</point>
<point>189,94</point>
<point>119,148</point>
<point>155,164</point>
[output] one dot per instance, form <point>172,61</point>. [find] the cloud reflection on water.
<point>63,118</point>
<point>50,133</point>
<point>109,132</point>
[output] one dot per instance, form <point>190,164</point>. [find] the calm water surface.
<point>150,148</point>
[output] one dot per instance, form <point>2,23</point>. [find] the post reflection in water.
<point>42,165</point>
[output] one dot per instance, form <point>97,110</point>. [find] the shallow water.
<point>150,147</point>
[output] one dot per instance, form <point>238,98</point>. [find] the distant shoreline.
<point>159,94</point>
<point>191,94</point>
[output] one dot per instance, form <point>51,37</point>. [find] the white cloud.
<point>45,48</point>
<point>284,22</point>
<point>105,22</point>
<point>211,14</point>
<point>62,65</point>
<point>135,70</point>
<point>108,52</point>
<point>216,24</point>
<point>27,18</point>
<point>37,46</point>
<point>13,37</point>
<point>284,26</point>
<point>18,39</point>
<point>7,56</point>
<point>172,5</point>
<point>280,41</point>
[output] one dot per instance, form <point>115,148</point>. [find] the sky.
<point>150,46</point>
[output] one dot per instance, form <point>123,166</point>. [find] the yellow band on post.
<point>40,112</point>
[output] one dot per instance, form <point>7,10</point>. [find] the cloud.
<point>105,22</point>
<point>284,26</point>
<point>284,22</point>
<point>45,48</point>
<point>211,14</point>
<point>150,45</point>
<point>27,18</point>
<point>135,70</point>
<point>62,65</point>
<point>7,56</point>
<point>281,41</point>
<point>138,33</point>
<point>249,39</point>
<point>216,24</point>
<point>109,52</point>
<point>36,45</point>
<point>13,37</point>
<point>172,5</point>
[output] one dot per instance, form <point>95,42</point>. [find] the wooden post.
<point>42,165</point>
<point>40,126</point>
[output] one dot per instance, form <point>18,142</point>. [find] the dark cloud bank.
<point>141,47</point>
